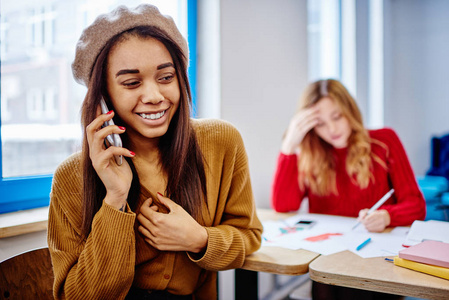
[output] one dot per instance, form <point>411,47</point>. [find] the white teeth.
<point>153,116</point>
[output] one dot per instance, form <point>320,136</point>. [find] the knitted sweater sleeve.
<point>410,205</point>
<point>236,231</point>
<point>101,267</point>
<point>285,192</point>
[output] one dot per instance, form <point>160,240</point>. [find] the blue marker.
<point>363,244</point>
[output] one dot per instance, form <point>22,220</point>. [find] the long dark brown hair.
<point>180,155</point>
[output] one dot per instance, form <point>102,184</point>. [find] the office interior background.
<point>253,59</point>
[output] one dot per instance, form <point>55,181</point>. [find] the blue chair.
<point>440,157</point>
<point>433,189</point>
<point>445,199</point>
<point>435,184</point>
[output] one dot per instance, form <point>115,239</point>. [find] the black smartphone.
<point>305,223</point>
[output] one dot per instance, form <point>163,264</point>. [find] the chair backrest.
<point>439,157</point>
<point>27,276</point>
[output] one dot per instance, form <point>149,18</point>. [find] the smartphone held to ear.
<point>113,139</point>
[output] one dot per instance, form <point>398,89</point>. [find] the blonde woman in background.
<point>343,169</point>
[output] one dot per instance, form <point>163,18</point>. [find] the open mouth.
<point>154,116</point>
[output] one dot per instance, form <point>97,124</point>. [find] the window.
<point>41,26</point>
<point>40,105</point>
<point>337,35</point>
<point>4,26</point>
<point>324,39</point>
<point>40,101</point>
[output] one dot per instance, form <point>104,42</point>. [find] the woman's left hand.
<point>172,231</point>
<point>376,221</point>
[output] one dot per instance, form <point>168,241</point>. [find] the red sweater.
<point>406,205</point>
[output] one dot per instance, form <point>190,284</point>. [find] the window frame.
<point>27,192</point>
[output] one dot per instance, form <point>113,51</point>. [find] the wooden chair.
<point>27,276</point>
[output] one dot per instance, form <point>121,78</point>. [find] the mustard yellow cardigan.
<point>115,256</point>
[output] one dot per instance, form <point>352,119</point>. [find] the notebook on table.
<point>423,268</point>
<point>428,252</point>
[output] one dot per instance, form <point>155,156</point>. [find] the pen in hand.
<point>377,205</point>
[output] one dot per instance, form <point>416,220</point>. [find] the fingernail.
<point>132,153</point>
<point>109,112</point>
<point>121,128</point>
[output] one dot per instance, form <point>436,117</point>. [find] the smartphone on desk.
<point>305,224</point>
<point>113,139</point>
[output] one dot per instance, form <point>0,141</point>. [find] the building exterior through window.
<point>40,100</point>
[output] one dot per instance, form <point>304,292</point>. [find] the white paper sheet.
<point>331,234</point>
<point>427,230</point>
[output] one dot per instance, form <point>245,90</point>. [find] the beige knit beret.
<point>106,26</point>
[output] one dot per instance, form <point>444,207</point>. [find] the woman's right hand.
<point>301,123</point>
<point>116,179</point>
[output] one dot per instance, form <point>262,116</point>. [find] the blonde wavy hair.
<point>316,163</point>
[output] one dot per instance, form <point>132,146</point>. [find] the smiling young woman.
<point>143,86</point>
<point>180,206</point>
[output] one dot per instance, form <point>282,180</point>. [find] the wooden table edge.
<point>280,265</point>
<point>377,285</point>
<point>22,229</point>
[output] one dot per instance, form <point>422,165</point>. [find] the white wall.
<point>263,70</point>
<point>255,70</point>
<point>417,74</point>
<point>14,245</point>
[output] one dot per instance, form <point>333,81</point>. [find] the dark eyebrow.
<point>126,71</point>
<point>166,65</point>
<point>135,71</point>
